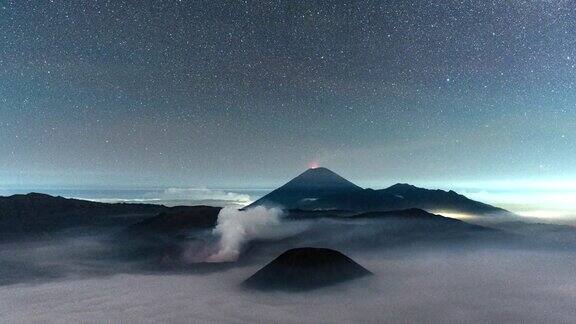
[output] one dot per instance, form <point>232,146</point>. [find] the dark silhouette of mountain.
<point>362,200</point>
<point>322,189</point>
<point>307,187</point>
<point>304,269</point>
<point>410,214</point>
<point>36,213</point>
<point>419,223</point>
<point>407,214</point>
<point>414,197</point>
<point>404,196</point>
<point>164,238</point>
<point>177,219</point>
<point>384,229</point>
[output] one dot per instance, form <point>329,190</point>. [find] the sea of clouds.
<point>412,287</point>
<point>180,197</point>
<point>72,278</point>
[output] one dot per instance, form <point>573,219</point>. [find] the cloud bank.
<point>439,287</point>
<point>185,197</point>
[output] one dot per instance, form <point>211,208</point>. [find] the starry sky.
<point>249,93</point>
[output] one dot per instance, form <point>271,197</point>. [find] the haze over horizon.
<point>546,201</point>
<point>477,96</point>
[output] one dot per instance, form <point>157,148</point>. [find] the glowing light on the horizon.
<point>313,165</point>
<point>449,214</point>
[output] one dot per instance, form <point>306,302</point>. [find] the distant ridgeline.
<point>317,190</point>
<point>322,189</point>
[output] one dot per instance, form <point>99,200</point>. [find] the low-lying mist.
<point>79,278</point>
<point>412,286</point>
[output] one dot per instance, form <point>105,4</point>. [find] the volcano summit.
<point>323,189</point>
<point>310,185</point>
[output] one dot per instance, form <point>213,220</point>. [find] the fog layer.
<point>433,286</point>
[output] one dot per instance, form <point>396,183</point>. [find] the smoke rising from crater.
<point>237,227</point>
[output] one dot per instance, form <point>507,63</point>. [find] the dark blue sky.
<point>247,93</point>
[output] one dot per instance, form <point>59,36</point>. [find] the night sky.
<point>249,93</point>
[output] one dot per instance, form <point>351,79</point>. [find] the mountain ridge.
<point>307,193</point>
<point>37,213</point>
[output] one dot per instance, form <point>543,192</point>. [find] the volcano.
<point>322,189</point>
<point>307,187</point>
<point>305,269</point>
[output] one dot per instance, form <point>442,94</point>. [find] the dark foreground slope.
<point>33,214</point>
<point>175,220</point>
<point>167,236</point>
<point>305,269</point>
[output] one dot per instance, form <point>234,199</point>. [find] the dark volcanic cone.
<point>305,269</point>
<point>307,187</point>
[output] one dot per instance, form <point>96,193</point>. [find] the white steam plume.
<point>237,227</point>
